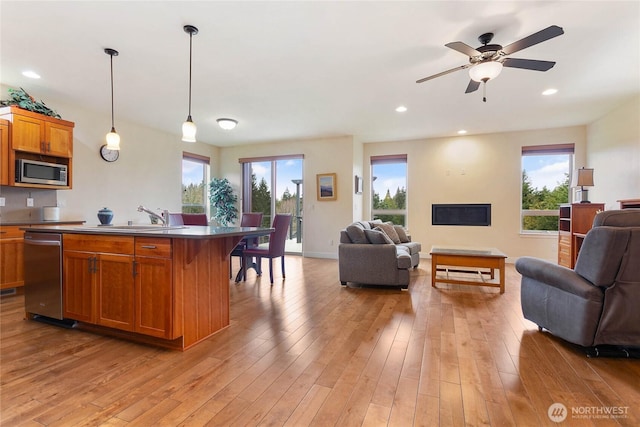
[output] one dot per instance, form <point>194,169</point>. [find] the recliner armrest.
<point>559,277</point>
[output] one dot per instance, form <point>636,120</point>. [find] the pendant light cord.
<point>190,56</point>
<point>112,126</point>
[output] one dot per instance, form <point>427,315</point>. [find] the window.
<point>195,188</point>
<point>546,174</point>
<point>389,188</point>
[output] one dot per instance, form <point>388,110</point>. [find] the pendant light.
<point>113,139</point>
<point>188,127</point>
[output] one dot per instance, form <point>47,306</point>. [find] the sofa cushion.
<point>412,247</point>
<point>402,234</point>
<point>356,233</point>
<point>388,229</point>
<point>378,237</point>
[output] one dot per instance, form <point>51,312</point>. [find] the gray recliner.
<point>598,303</point>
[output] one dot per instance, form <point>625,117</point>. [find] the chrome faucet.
<point>164,218</point>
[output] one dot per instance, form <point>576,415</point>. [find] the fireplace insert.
<point>471,214</point>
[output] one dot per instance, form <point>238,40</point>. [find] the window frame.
<point>206,162</point>
<point>537,150</point>
<point>390,159</point>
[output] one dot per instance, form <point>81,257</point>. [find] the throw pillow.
<point>373,224</point>
<point>378,237</point>
<point>356,234</point>
<point>387,227</point>
<point>402,234</point>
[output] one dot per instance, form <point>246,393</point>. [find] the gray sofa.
<point>376,253</point>
<point>597,303</point>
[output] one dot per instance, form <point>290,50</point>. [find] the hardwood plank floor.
<point>307,351</point>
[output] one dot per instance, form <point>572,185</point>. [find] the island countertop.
<point>179,232</point>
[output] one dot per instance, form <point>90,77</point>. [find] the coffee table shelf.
<point>467,266</point>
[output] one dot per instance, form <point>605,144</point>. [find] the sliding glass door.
<point>272,186</point>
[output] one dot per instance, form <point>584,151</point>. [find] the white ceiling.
<point>296,70</point>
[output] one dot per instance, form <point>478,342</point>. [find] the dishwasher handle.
<point>42,239</point>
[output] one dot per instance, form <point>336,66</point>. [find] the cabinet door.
<point>78,285</point>
<point>58,139</point>
<point>153,297</point>
<point>115,291</point>
<point>28,134</point>
<point>11,257</point>
<point>4,152</point>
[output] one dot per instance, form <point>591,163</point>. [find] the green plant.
<point>25,101</point>
<point>223,199</point>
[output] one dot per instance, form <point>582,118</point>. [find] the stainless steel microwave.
<point>35,172</point>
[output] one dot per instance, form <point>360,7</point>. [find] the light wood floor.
<point>310,352</point>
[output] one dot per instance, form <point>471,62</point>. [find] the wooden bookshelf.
<point>574,221</point>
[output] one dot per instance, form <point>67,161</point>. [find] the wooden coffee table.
<point>467,266</point>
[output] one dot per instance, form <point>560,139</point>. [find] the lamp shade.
<point>189,130</point>
<point>113,140</point>
<point>584,178</point>
<point>485,71</point>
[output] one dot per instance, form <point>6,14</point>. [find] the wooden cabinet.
<point>11,257</point>
<point>574,222</point>
<point>120,282</point>
<point>153,287</point>
<point>40,134</point>
<point>4,152</point>
<point>34,136</point>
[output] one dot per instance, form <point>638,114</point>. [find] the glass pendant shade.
<point>113,140</point>
<point>485,71</point>
<point>189,130</point>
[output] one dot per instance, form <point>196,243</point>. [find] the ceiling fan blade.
<point>462,67</point>
<point>528,64</point>
<point>463,48</point>
<point>533,39</point>
<point>472,87</point>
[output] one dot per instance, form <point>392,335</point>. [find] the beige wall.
<point>148,172</point>
<point>614,154</point>
<point>469,169</point>
<point>322,220</point>
<point>472,169</point>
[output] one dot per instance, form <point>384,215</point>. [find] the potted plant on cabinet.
<point>223,199</point>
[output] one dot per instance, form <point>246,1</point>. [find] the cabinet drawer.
<point>11,232</point>
<point>122,245</point>
<point>153,247</point>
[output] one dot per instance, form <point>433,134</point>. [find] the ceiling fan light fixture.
<point>227,124</point>
<point>485,71</point>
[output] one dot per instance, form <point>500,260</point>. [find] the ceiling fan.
<point>486,61</point>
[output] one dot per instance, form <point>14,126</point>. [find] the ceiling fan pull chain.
<point>484,91</point>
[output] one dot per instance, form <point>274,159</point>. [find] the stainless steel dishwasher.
<point>43,274</point>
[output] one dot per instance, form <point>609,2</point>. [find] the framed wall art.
<point>327,186</point>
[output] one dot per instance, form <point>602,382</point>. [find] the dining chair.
<point>195,219</point>
<point>249,219</point>
<point>275,249</point>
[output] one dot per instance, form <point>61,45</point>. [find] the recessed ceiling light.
<point>550,92</point>
<point>401,109</point>
<point>462,132</point>
<point>227,124</point>
<point>31,74</point>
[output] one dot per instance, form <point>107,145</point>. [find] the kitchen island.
<point>167,286</point>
